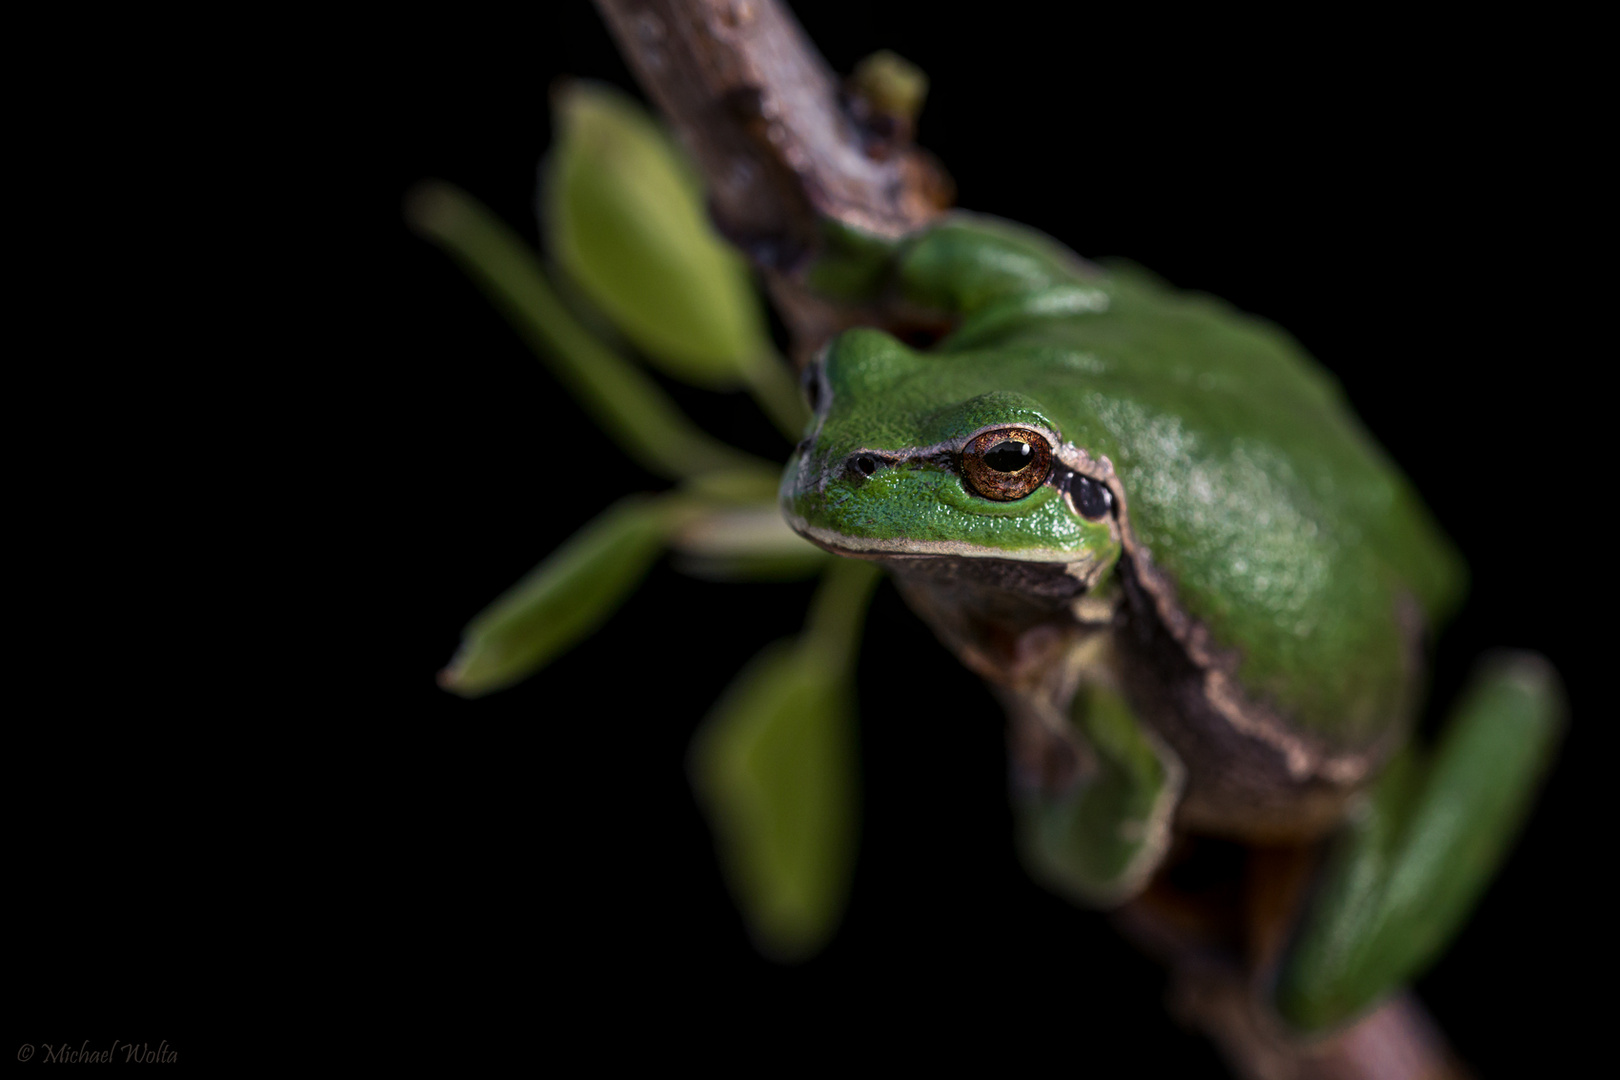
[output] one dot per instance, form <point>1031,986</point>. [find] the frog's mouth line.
<point>1048,565</point>
<point>862,547</point>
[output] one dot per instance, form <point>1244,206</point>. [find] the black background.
<point>277,807</point>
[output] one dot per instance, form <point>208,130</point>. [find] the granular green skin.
<point>1250,484</point>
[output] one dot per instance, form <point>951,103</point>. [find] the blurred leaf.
<point>744,543</point>
<point>620,397</point>
<point>624,217</point>
<point>562,600</point>
<point>775,767</point>
<point>741,486</point>
<point>737,531</point>
<point>796,566</point>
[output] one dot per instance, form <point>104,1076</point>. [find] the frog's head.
<point>914,455</point>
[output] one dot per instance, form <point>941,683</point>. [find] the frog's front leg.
<point>1411,864</point>
<point>1094,799</point>
<point>964,265</point>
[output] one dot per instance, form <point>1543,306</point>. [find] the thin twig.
<point>621,398</point>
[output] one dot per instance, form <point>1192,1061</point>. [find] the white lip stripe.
<point>838,542</point>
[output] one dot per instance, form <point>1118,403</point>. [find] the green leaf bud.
<point>624,217</point>
<point>561,601</point>
<point>775,768</point>
<point>774,765</point>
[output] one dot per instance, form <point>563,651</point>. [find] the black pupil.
<point>1007,456</point>
<point>866,465</point>
<point>1092,498</point>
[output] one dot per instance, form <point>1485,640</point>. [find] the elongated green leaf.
<point>750,543</point>
<point>624,217</point>
<point>562,600</point>
<point>775,389</point>
<point>775,767</point>
<point>833,631</point>
<point>621,398</point>
<point>753,486</point>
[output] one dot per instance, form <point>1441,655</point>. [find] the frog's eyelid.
<point>1054,441</point>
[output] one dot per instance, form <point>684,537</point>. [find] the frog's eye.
<point>1007,463</point>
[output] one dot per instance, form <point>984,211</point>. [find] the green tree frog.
<point>1200,589</point>
<point>1150,522</point>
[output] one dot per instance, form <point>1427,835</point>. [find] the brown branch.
<point>757,105</point>
<point>763,115</point>
<point>1222,950</point>
<point>1396,1041</point>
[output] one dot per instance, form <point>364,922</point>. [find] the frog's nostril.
<point>810,381</point>
<point>804,446</point>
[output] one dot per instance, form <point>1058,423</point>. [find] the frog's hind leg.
<point>1097,825</point>
<point>1411,863</point>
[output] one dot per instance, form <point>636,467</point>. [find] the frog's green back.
<point>1282,524</point>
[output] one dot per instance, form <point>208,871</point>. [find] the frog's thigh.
<point>1100,841</point>
<point>1411,864</point>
